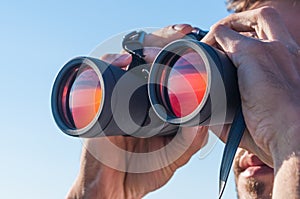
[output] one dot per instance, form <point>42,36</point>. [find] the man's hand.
<point>97,180</point>
<point>160,156</point>
<point>268,67</point>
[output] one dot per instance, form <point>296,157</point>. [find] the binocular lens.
<point>186,83</point>
<point>81,97</point>
<point>191,83</point>
<point>93,98</point>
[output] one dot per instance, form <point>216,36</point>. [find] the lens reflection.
<point>187,84</point>
<point>84,97</point>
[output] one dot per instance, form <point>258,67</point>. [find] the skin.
<point>253,178</point>
<point>94,179</point>
<point>269,61</point>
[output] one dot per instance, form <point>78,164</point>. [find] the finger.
<point>228,40</point>
<point>163,36</point>
<point>265,21</point>
<point>243,49</point>
<point>192,139</point>
<point>120,60</point>
<point>247,142</point>
<point>283,55</point>
<point>249,34</point>
<point>221,131</point>
<point>151,53</point>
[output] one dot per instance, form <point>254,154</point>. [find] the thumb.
<point>120,60</point>
<point>163,36</point>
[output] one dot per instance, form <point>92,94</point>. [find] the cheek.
<point>241,184</point>
<point>241,187</point>
<point>261,186</point>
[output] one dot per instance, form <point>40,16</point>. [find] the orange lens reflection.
<point>85,97</point>
<point>187,84</point>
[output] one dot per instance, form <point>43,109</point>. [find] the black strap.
<point>133,44</point>
<point>236,132</point>
<point>136,61</point>
<point>234,137</point>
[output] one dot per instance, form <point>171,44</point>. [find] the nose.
<point>249,159</point>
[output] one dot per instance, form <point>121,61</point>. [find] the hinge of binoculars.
<point>133,44</point>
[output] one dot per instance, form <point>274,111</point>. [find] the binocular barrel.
<point>190,83</point>
<point>93,98</point>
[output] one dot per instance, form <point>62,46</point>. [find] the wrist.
<point>287,174</point>
<point>286,146</point>
<point>285,141</point>
<point>286,159</point>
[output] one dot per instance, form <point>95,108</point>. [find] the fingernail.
<point>180,27</point>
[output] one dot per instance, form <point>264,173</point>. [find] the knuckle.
<point>216,28</point>
<point>231,16</point>
<point>229,19</point>
<point>268,12</point>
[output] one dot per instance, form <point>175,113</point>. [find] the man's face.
<point>253,178</point>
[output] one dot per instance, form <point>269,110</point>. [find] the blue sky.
<point>37,38</point>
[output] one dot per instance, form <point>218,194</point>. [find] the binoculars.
<point>189,83</point>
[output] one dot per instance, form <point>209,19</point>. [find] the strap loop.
<point>234,137</point>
